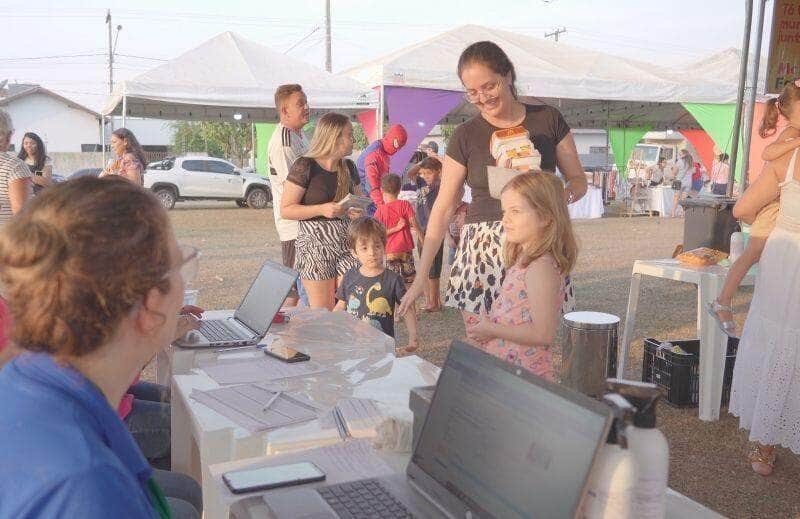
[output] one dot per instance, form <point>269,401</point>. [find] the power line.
<point>58,56</point>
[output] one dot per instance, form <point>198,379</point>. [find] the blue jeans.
<point>184,495</point>
<point>301,292</point>
<point>149,422</point>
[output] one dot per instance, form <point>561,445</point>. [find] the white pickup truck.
<point>205,178</point>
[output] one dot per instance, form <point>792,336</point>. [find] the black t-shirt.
<point>470,147</point>
<point>372,299</point>
<point>319,183</point>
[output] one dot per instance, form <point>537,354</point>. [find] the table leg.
<point>181,437</point>
<point>630,323</point>
<point>713,347</point>
<point>215,447</point>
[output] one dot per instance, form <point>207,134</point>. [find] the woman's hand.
<point>188,320</point>
<point>331,210</point>
<point>480,328</point>
<point>354,213</point>
<point>413,293</point>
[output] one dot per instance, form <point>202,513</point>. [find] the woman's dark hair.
<point>779,106</point>
<point>489,54</point>
<point>78,258</point>
<point>131,144</point>
<point>41,155</point>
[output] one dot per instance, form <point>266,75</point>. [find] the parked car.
<point>58,178</point>
<point>205,178</point>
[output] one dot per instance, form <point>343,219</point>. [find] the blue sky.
<point>665,32</point>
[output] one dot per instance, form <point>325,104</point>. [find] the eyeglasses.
<point>490,91</point>
<point>189,265</point>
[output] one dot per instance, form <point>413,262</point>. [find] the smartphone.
<point>286,354</point>
<point>266,478</point>
<point>38,173</point>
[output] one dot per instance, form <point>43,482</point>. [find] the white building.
<point>63,125</point>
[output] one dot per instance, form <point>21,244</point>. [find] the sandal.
<point>727,327</point>
<point>761,462</point>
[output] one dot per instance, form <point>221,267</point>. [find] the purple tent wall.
<point>418,110</point>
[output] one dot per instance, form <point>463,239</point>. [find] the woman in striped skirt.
<point>316,182</point>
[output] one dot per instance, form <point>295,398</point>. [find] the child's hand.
<point>479,328</point>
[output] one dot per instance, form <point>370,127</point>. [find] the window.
<point>598,149</point>
<point>195,165</point>
<point>216,166</point>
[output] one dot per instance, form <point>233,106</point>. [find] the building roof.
<point>10,92</point>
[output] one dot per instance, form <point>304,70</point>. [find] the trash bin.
<point>708,222</point>
<point>589,354</point>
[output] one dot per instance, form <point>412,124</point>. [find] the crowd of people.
<point>94,278</point>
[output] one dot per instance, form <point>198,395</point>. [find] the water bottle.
<point>737,246</point>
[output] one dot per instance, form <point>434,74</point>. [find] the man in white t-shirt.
<point>16,186</point>
<point>287,144</point>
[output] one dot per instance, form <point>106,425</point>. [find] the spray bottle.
<point>613,478</point>
<point>649,448</point>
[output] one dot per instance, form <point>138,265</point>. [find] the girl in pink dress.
<point>539,252</point>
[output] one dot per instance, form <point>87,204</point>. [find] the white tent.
<point>591,88</point>
<point>230,75</point>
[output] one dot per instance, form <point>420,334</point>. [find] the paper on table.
<point>247,405</point>
<point>354,418</point>
<point>263,369</point>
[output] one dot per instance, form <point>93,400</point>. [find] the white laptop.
<point>253,317</point>
<point>497,442</point>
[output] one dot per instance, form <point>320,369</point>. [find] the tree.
<point>231,141</point>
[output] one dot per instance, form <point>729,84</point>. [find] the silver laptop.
<point>253,317</point>
<point>497,442</point>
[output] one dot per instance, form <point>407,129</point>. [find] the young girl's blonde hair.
<point>545,194</point>
<point>330,129</point>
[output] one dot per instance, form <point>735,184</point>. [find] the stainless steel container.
<point>589,353</point>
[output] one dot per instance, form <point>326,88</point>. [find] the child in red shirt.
<point>399,219</point>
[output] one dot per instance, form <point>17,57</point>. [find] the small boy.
<point>371,292</point>
<point>427,174</point>
<point>397,216</point>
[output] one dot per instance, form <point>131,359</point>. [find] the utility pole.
<point>555,33</point>
<point>328,65</point>
<point>110,54</point>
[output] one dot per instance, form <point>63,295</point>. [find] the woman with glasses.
<point>488,78</point>
<point>94,280</point>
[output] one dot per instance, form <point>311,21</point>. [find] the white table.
<point>202,437</point>
<point>306,326</point>
<point>662,200</point>
<point>252,506</point>
<point>589,206</point>
<point>713,342</point>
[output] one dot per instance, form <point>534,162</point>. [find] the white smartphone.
<point>266,478</point>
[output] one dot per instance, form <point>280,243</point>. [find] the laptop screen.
<point>508,445</point>
<point>265,296</point>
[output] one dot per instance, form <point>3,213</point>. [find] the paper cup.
<point>190,297</point>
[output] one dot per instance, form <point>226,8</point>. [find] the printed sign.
<point>784,48</point>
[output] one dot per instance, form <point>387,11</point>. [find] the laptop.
<point>497,441</point>
<point>253,317</point>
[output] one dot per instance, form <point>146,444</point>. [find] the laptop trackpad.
<point>304,503</point>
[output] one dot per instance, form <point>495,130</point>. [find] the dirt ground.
<point>707,458</point>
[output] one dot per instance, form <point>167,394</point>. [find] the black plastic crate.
<point>679,375</point>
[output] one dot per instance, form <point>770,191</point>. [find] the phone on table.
<point>266,478</point>
<point>286,354</point>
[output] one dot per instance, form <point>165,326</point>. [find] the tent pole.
<point>381,104</point>
<point>103,139</point>
<point>737,119</point>
<point>751,100</point>
<point>124,107</point>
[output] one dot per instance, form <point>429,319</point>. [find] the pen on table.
<point>272,400</point>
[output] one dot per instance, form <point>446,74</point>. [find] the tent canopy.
<point>592,89</point>
<point>230,75</point>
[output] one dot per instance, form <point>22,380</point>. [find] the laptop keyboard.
<point>216,331</point>
<point>363,499</point>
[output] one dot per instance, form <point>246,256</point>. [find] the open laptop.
<point>498,441</point>
<point>253,317</point>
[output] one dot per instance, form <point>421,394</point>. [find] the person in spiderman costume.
<point>373,163</point>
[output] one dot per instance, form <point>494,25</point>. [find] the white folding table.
<point>713,342</point>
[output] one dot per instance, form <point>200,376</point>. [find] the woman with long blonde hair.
<point>539,252</point>
<point>316,183</point>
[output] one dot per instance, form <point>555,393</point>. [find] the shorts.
<point>402,264</point>
<point>719,189</point>
<point>479,270</point>
<point>765,221</point>
<point>321,250</point>
<point>436,267</point>
<point>288,257</point>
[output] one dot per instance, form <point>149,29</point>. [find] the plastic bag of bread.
<point>701,257</point>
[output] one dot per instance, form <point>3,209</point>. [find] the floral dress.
<point>512,308</point>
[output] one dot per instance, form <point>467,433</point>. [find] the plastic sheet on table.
<point>316,325</point>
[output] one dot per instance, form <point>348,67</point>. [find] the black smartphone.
<point>286,354</point>
<point>266,478</point>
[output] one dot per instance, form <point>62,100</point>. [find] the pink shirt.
<point>720,172</point>
<point>390,215</point>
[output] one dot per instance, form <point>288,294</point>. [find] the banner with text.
<point>784,47</point>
